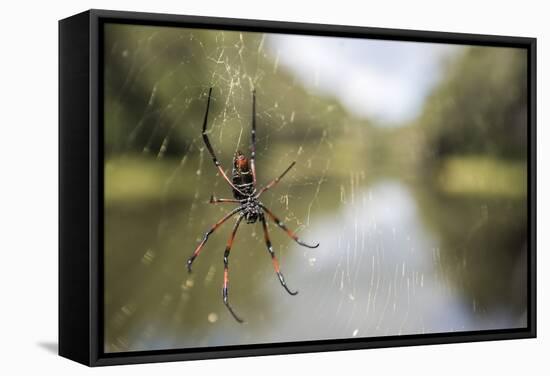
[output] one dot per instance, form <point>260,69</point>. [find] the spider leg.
<point>274,258</point>
<point>209,146</point>
<point>253,139</point>
<point>207,234</point>
<point>273,182</point>
<point>286,229</point>
<point>226,269</point>
<point>215,200</point>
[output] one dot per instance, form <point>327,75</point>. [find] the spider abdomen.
<point>242,178</point>
<point>245,185</point>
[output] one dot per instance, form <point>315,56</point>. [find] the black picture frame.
<point>81,182</point>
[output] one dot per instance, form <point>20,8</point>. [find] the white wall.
<point>28,199</point>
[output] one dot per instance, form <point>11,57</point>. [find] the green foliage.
<point>480,107</point>
<point>156,81</point>
<point>483,176</point>
<point>463,158</point>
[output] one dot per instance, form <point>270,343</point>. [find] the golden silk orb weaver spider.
<point>247,196</point>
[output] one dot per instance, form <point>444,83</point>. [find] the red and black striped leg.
<point>207,234</point>
<point>253,139</point>
<point>274,258</point>
<point>226,269</point>
<point>286,229</point>
<point>215,200</point>
<point>273,182</point>
<point>209,146</point>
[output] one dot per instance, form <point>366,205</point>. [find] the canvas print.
<point>264,188</point>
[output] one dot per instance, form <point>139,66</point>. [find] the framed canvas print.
<point>239,187</point>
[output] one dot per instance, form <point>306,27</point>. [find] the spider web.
<point>378,270</point>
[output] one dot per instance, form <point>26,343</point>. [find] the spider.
<point>243,184</point>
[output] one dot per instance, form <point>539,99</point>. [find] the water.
<point>384,276</point>
<point>423,227</point>
<point>382,268</point>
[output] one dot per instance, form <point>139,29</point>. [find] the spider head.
<point>241,162</point>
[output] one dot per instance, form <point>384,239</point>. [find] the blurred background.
<point>411,173</point>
